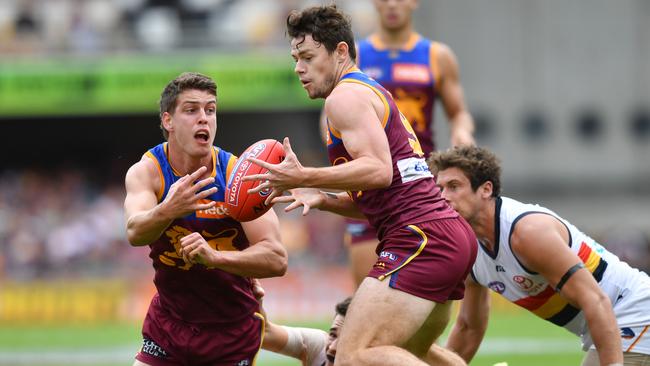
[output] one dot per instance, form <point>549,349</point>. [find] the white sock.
<point>306,344</point>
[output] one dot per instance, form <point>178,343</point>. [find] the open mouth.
<point>202,136</point>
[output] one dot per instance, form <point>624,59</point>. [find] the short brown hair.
<point>479,164</point>
<point>327,26</point>
<point>342,307</point>
<point>183,82</point>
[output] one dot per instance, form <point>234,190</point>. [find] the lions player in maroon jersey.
<point>425,250</point>
<point>204,311</point>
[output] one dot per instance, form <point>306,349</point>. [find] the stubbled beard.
<point>328,85</point>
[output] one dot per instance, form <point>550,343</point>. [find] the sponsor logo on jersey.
<point>392,257</point>
<point>411,73</point>
<point>497,286</point>
<point>411,169</point>
<point>499,268</point>
<point>218,211</point>
<point>527,284</point>
<point>150,348</point>
<point>627,333</point>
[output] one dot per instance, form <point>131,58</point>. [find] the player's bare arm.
<point>308,198</point>
<point>146,219</point>
<point>353,111</point>
<point>472,321</point>
<point>539,237</point>
<point>265,257</point>
<point>461,124</point>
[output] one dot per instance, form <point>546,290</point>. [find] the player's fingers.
<point>305,209</point>
<point>261,163</point>
<point>202,183</point>
<point>283,199</point>
<point>260,187</point>
<point>206,193</point>
<point>198,173</point>
<point>275,193</point>
<point>264,176</point>
<point>292,206</point>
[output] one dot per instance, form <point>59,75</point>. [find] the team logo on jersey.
<point>411,73</point>
<point>524,282</point>
<point>627,333</point>
<point>497,286</point>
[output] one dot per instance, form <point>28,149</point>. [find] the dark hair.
<point>479,164</point>
<point>327,26</point>
<point>342,307</point>
<point>183,82</point>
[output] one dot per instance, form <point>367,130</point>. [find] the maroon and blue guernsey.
<point>413,196</point>
<point>193,292</point>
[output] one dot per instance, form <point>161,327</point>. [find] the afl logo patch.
<point>497,286</point>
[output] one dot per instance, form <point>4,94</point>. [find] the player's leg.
<point>138,363</point>
<point>441,356</point>
<point>377,321</point>
<point>362,257</point>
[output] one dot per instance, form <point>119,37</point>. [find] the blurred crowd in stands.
<point>61,224</point>
<point>98,26</point>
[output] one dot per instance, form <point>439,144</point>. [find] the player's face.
<point>395,14</point>
<point>315,67</point>
<point>332,341</point>
<point>457,190</point>
<point>193,125</point>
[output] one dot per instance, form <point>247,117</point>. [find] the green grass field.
<point>517,338</point>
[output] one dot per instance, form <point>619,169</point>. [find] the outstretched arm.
<point>308,198</point>
<point>461,124</point>
<point>468,331</point>
<point>538,237</point>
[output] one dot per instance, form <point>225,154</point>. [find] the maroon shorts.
<point>429,260</point>
<point>358,231</point>
<point>168,341</point>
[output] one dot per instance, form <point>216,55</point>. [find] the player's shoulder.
<point>347,94</point>
<point>146,170</point>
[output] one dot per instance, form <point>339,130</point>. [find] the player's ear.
<point>167,120</point>
<point>342,50</point>
<point>486,189</point>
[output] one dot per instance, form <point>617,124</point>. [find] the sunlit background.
<point>560,90</point>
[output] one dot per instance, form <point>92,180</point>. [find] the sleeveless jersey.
<point>410,75</point>
<point>413,196</point>
<point>195,293</point>
<point>627,288</point>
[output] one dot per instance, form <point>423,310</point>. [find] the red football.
<point>241,205</point>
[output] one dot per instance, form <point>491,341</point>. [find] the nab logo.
<point>500,268</point>
<point>392,257</point>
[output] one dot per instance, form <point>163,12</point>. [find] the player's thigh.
<point>380,315</point>
<point>362,257</point>
<point>435,324</point>
<point>140,363</point>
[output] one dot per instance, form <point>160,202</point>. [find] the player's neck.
<point>183,163</point>
<point>395,38</point>
<point>484,224</point>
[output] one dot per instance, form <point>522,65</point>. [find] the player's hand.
<point>183,196</point>
<point>196,250</point>
<point>279,177</point>
<point>308,198</point>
